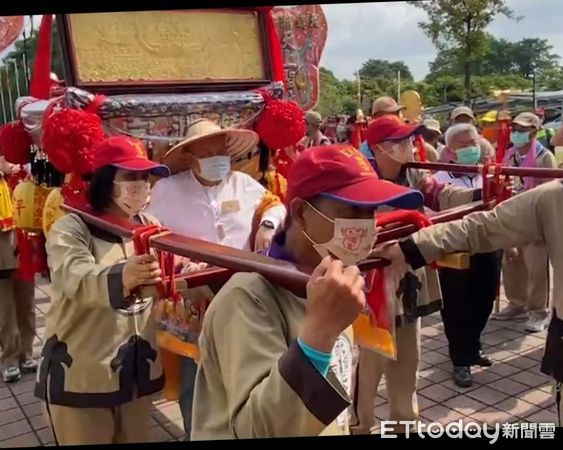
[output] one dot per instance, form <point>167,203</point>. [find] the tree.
<point>7,68</point>
<point>378,68</point>
<point>532,55</point>
<point>459,26</point>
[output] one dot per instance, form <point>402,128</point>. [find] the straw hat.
<point>238,142</point>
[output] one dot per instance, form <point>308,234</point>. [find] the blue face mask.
<point>519,138</point>
<point>468,155</point>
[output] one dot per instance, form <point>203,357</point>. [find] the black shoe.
<point>462,377</point>
<point>484,360</point>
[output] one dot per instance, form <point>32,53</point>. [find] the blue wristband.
<point>320,360</point>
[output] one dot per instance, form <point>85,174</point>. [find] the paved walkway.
<point>512,390</point>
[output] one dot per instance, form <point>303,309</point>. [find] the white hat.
<point>432,125</point>
<point>239,142</point>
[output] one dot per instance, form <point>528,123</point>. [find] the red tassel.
<point>40,85</point>
<point>274,44</point>
<point>69,136</point>
<point>15,143</point>
<point>25,269</point>
<point>281,124</point>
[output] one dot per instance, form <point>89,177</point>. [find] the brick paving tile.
<point>508,386</point>
<point>24,440</point>
<point>14,429</point>
<point>465,405</point>
<point>33,410</point>
<point>421,383</point>
<point>158,434</point>
<point>27,398</point>
<point>530,378</point>
<point>22,387</point>
<point>431,344</point>
<point>39,422</point>
<point>516,407</point>
<point>176,430</point>
<point>498,354</point>
<point>435,375</point>
<point>522,362</point>
<point>10,416</point>
<point>442,414</point>
<point>543,416</point>
<point>424,402</point>
<point>45,435</point>
<point>5,393</point>
<point>438,393</point>
<point>485,376</point>
<point>7,403</point>
<point>486,395</point>
<point>491,416</point>
<point>504,370</point>
<point>434,358</point>
<point>538,398</point>
<point>431,331</point>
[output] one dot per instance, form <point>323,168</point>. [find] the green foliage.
<point>457,28</point>
<point>17,54</point>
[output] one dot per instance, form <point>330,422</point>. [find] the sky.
<point>388,30</point>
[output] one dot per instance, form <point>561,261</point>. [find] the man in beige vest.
<point>533,216</point>
<point>525,270</point>
<point>277,365</point>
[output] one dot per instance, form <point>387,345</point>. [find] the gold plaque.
<point>167,46</point>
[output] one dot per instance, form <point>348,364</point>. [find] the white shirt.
<point>221,214</point>
<point>473,181</point>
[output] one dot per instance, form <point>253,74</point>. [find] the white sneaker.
<point>510,313</point>
<point>29,366</point>
<point>11,374</point>
<point>535,324</point>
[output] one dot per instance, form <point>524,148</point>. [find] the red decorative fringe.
<point>281,124</point>
<point>274,44</point>
<point>69,136</point>
<point>74,192</point>
<point>32,255</point>
<point>15,143</point>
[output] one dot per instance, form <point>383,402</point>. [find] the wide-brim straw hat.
<point>238,141</point>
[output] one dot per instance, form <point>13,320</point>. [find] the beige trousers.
<point>526,279</point>
<point>17,319</point>
<point>125,424</point>
<point>400,378</point>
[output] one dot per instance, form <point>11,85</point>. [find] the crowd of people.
<point>271,363</point>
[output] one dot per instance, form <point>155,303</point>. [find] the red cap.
<point>128,154</point>
<point>341,172</point>
<point>390,128</point>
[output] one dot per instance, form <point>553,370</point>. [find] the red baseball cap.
<point>341,172</point>
<point>390,128</point>
<point>128,154</point>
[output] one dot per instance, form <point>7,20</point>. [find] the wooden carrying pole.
<point>227,260</point>
<point>534,172</point>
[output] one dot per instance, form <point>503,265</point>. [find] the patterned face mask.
<point>352,240</point>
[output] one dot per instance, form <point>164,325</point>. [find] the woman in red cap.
<point>100,362</point>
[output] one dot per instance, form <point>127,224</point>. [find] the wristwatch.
<point>268,224</point>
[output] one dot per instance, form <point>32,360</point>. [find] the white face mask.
<point>133,196</point>
<point>352,241</point>
<point>215,168</point>
<point>401,152</point>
